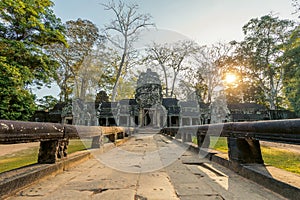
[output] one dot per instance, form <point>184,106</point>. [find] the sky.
<point>204,21</point>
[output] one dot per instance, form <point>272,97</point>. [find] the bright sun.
<point>230,78</point>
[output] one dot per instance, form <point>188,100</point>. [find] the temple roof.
<point>148,77</point>
<point>243,106</point>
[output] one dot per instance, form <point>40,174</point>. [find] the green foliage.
<point>25,27</point>
<point>82,36</point>
<point>259,53</point>
<point>47,102</point>
<point>16,102</point>
<point>292,70</point>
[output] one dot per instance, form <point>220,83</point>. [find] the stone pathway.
<point>144,168</point>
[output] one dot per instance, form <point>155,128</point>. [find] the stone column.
<point>158,118</point>
<point>96,142</point>
<point>244,150</point>
<point>141,120</point>
<point>52,150</point>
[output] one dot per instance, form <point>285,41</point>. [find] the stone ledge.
<point>259,173</point>
<point>262,175</point>
<point>14,180</point>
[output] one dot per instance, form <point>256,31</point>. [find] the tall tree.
<point>82,37</point>
<point>25,28</point>
<point>126,27</point>
<point>172,58</point>
<point>210,67</point>
<point>292,65</point>
<point>292,70</point>
<point>260,51</point>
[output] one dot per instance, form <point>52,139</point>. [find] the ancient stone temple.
<point>149,100</point>
<point>149,109</point>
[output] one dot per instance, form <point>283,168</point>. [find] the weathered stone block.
<point>244,150</point>
<point>51,150</point>
<point>203,141</point>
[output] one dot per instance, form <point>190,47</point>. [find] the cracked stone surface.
<point>188,177</point>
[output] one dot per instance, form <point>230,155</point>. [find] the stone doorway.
<point>148,117</point>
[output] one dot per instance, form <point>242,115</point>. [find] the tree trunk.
<point>173,84</point>
<point>121,65</point>
<point>166,80</point>
<point>83,89</point>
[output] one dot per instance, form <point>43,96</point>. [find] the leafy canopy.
<point>26,26</point>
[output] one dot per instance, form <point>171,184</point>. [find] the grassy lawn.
<point>78,145</point>
<point>18,159</point>
<point>30,155</point>
<point>219,144</point>
<point>282,159</point>
<point>279,158</point>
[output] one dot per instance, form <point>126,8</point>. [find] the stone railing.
<point>242,137</point>
<point>54,138</point>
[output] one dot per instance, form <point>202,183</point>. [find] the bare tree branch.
<point>128,22</point>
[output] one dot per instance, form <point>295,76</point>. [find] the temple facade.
<point>149,109</point>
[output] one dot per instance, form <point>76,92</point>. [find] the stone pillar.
<point>52,150</point>
<point>188,137</point>
<point>96,142</point>
<point>157,117</point>
<point>141,120</point>
<point>112,137</point>
<point>178,135</point>
<point>184,137</point>
<point>244,150</point>
<point>203,141</point>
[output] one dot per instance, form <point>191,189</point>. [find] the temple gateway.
<point>149,108</point>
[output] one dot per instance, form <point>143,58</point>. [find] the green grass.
<point>30,155</point>
<point>282,159</point>
<point>18,159</point>
<point>78,145</point>
<point>219,144</point>
<point>279,158</point>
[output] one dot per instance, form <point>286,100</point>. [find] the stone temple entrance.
<point>149,110</point>
<point>149,99</point>
<point>148,117</point>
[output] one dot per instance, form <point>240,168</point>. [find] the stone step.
<point>148,130</point>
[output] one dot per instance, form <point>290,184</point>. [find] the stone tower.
<point>149,99</point>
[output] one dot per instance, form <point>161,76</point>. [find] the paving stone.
<point>197,179</point>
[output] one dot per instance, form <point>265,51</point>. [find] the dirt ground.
<point>12,148</point>
<point>288,147</point>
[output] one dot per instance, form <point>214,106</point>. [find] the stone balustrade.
<point>242,137</point>
<point>54,138</point>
